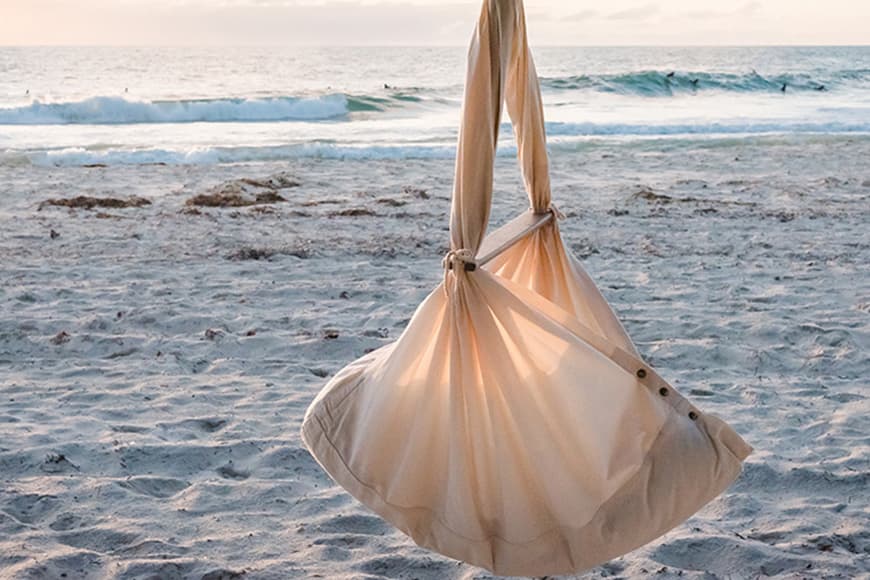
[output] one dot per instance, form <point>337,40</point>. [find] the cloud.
<point>236,22</point>
<point>746,9</point>
<point>749,8</point>
<point>641,12</point>
<point>587,14</point>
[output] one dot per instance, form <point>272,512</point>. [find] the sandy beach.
<point>156,361</point>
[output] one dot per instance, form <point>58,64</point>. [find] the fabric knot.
<point>556,212</point>
<point>461,260</point>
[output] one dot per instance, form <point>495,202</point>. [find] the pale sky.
<point>429,22</point>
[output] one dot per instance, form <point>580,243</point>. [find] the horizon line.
<point>279,45</point>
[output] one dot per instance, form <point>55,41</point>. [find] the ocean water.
<point>82,106</point>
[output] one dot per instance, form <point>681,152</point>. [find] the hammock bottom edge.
<point>689,464</point>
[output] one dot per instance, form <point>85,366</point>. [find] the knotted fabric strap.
<point>500,71</point>
<point>556,212</point>
<point>463,258</point>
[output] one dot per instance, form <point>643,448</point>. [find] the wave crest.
<point>653,83</point>
<point>118,110</point>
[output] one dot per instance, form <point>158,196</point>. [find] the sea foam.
<point>80,157</point>
<point>564,136</point>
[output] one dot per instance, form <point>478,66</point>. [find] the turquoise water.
<point>75,106</point>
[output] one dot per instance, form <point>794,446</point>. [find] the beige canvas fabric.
<point>513,425</point>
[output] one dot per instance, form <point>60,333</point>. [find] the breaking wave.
<point>754,127</point>
<point>121,111</point>
<point>118,110</point>
<point>653,83</point>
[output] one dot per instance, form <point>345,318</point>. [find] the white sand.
<point>160,439</point>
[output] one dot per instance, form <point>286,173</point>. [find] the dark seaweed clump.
<point>88,202</point>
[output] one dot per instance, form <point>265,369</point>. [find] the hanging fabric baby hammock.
<point>513,425</point>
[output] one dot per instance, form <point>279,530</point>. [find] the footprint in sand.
<point>158,487</point>
<point>66,521</point>
<point>83,564</point>
<point>348,541</point>
<point>228,471</point>
<point>30,508</point>
<point>414,567</point>
<point>153,549</point>
<point>354,524</point>
<point>722,556</point>
<point>99,540</point>
<point>190,429</point>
